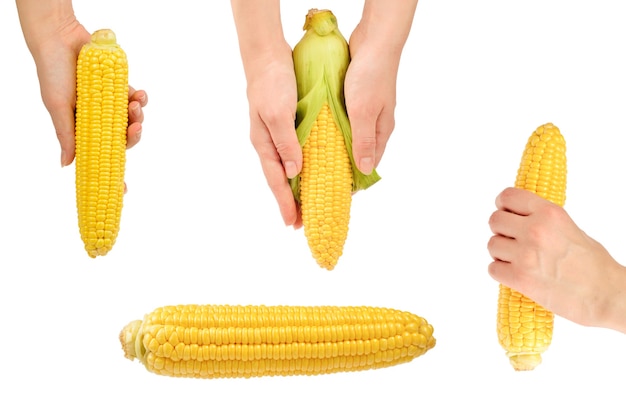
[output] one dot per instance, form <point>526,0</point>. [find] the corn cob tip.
<point>322,21</point>
<point>104,37</point>
<point>128,337</point>
<point>525,362</point>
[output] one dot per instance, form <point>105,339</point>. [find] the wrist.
<point>45,20</point>
<point>270,54</point>
<point>384,26</point>
<point>260,33</point>
<point>374,46</point>
<point>614,312</point>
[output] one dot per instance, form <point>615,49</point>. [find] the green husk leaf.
<point>321,59</point>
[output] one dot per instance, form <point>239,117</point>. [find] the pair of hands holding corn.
<point>370,88</point>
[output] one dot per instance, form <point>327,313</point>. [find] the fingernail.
<point>63,164</point>
<point>366,165</point>
<point>138,135</point>
<point>135,108</point>
<point>291,170</point>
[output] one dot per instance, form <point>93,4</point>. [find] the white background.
<point>200,225</point>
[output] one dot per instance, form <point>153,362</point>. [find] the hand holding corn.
<point>272,97</point>
<point>272,131</point>
<point>376,46</point>
<point>543,261</point>
<point>575,277</point>
<point>524,327</point>
<point>54,38</point>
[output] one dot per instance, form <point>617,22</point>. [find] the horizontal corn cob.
<point>329,176</point>
<point>524,327</point>
<point>101,123</point>
<point>222,341</point>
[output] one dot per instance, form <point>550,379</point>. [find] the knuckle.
<point>491,243</point>
<point>284,148</point>
<point>539,232</point>
<point>362,109</point>
<point>552,212</point>
<point>507,194</point>
<point>64,135</point>
<point>493,219</point>
<point>365,142</point>
<point>275,116</point>
<point>492,269</point>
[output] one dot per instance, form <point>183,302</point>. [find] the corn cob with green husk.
<point>524,327</point>
<point>222,341</point>
<point>329,174</point>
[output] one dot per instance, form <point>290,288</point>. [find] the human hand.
<point>539,251</point>
<point>56,68</point>
<point>370,95</point>
<point>272,97</point>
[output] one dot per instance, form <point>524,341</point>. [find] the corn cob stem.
<point>220,341</point>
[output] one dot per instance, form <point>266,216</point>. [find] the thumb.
<point>63,121</point>
<point>364,142</point>
<point>288,148</point>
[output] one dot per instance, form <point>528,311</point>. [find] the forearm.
<point>385,24</point>
<point>41,19</point>
<point>259,30</point>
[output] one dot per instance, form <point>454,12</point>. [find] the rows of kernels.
<point>224,316</point>
<point>176,349</point>
<point>281,335</point>
<point>101,122</point>
<point>271,367</point>
<point>524,326</point>
<point>295,350</point>
<point>543,169</point>
<point>326,190</point>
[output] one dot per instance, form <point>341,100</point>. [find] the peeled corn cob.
<point>220,341</point>
<point>524,327</point>
<point>329,175</point>
<point>101,123</point>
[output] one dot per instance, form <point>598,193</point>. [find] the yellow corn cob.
<point>101,123</point>
<point>220,341</point>
<point>524,327</point>
<point>329,175</point>
<point>325,190</point>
